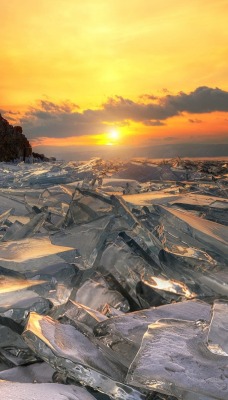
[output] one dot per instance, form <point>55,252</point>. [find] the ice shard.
<point>9,284</point>
<point>87,205</point>
<point>87,250</point>
<point>25,249</point>
<point>73,312</point>
<point>39,372</point>
<point>217,338</point>
<point>124,334</point>
<point>96,293</point>
<point>213,236</point>
<point>69,351</point>
<point>16,305</point>
<point>173,359</point>
<point>27,230</point>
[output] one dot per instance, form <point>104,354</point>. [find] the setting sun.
<point>113,137</point>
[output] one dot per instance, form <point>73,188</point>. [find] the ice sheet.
<point>173,359</point>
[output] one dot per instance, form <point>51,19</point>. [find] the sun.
<point>114,134</point>
<point>113,137</point>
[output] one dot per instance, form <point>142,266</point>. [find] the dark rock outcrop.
<point>41,157</point>
<point>13,144</point>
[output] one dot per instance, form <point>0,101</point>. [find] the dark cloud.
<point>202,100</point>
<point>148,97</point>
<point>154,123</point>
<point>195,121</point>
<point>49,119</point>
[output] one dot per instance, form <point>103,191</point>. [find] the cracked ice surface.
<point>113,275</point>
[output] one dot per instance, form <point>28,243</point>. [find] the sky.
<point>86,74</point>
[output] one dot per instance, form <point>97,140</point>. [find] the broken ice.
<point>113,275</point>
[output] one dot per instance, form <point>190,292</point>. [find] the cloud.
<point>65,119</point>
<point>195,121</point>
<point>148,97</point>
<point>203,100</point>
<point>154,123</point>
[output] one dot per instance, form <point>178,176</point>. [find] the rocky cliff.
<point>13,144</point>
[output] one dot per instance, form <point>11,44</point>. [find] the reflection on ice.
<point>8,284</point>
<point>25,249</point>
<point>169,285</point>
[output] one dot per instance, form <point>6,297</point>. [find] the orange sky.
<point>76,55</point>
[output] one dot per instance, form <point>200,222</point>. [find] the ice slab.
<point>69,351</point>
<point>143,172</point>
<point>78,313</point>
<point>124,333</point>
<point>87,238</point>
<point>54,275</point>
<point>26,230</point>
<point>25,249</point>
<point>14,357</point>
<point>150,198</point>
<point>144,237</point>
<point>10,202</point>
<point>96,293</point>
<point>35,373</point>
<point>5,215</point>
<point>10,284</point>
<point>212,235</point>
<point>173,359</point>
<point>87,205</point>
<point>44,391</point>
<point>17,304</point>
<point>217,339</point>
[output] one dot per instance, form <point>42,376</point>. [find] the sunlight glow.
<point>112,137</point>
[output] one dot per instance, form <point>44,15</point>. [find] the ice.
<point>13,356</point>
<point>4,216</point>
<point>16,305</point>
<point>142,236</point>
<point>44,391</point>
<point>87,250</point>
<point>173,359</point>
<point>120,186</point>
<point>9,284</point>
<point>96,293</point>
<point>73,312</point>
<point>144,172</point>
<point>26,230</point>
<point>86,206</point>
<point>25,249</point>
<point>124,333</point>
<point>34,373</point>
<point>68,350</point>
<point>213,236</point>
<point>217,339</point>
<point>9,202</point>
<point>111,269</point>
